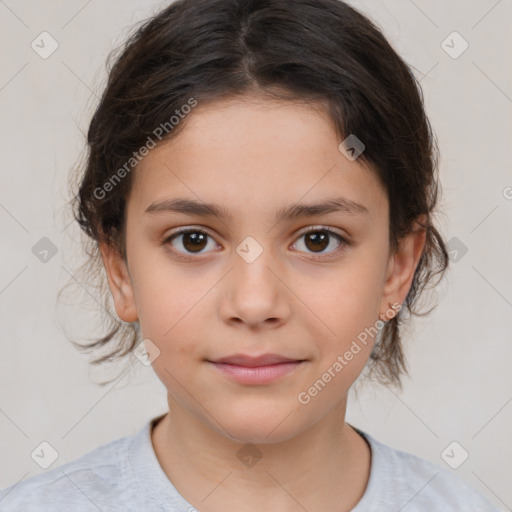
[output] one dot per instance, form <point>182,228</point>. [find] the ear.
<point>119,282</point>
<point>401,268</point>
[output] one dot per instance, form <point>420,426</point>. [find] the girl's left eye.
<point>194,240</point>
<point>319,238</point>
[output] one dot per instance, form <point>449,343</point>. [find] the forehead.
<point>255,154</point>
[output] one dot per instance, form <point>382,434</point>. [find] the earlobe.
<point>119,282</point>
<point>402,266</point>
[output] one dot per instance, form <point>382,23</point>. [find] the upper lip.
<point>263,360</point>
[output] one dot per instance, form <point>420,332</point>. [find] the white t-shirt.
<point>125,475</point>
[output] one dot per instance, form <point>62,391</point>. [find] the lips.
<point>258,361</point>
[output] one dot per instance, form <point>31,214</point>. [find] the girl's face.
<point>250,280</point>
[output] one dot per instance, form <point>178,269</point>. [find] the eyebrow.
<point>193,207</point>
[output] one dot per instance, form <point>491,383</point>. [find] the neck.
<point>326,466</point>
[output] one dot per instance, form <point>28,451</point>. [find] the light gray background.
<point>460,357</point>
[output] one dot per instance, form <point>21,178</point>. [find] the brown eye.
<point>317,240</point>
<point>193,241</point>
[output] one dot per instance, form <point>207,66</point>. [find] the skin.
<point>254,157</point>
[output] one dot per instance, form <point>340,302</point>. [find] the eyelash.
<point>314,229</point>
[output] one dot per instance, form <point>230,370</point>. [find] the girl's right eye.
<point>193,240</point>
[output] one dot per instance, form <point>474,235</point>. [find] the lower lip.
<point>257,375</point>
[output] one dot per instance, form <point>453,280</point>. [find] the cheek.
<point>181,344</point>
<point>348,299</point>
<point>170,306</point>
<point>346,309</point>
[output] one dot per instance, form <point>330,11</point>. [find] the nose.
<point>254,293</point>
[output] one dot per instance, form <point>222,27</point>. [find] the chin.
<point>260,425</point>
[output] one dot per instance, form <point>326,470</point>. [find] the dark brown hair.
<point>303,50</point>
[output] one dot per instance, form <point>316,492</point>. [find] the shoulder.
<point>86,483</point>
<point>400,479</point>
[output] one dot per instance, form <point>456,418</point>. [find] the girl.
<point>260,189</point>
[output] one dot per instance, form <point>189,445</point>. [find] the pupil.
<point>319,240</point>
<point>195,239</point>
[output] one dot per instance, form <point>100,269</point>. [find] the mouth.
<point>260,370</point>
